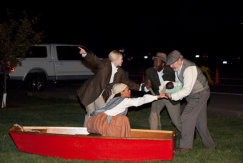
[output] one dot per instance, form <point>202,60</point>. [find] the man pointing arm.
<point>109,71</point>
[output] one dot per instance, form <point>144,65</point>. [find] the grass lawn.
<point>227,133</point>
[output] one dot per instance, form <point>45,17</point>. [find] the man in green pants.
<point>157,75</point>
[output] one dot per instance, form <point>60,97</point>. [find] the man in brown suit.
<point>109,71</point>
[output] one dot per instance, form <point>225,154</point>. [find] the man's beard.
<point>176,69</point>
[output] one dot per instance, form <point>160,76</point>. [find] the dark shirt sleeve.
<point>169,74</point>
<point>146,78</point>
<point>94,60</point>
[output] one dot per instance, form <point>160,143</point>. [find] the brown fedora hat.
<point>161,56</point>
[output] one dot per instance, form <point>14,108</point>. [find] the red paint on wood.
<point>94,148</point>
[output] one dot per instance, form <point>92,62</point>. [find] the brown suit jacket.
<point>93,87</point>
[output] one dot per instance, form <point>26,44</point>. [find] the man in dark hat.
<point>157,75</point>
<point>196,91</point>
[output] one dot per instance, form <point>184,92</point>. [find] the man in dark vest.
<point>109,71</point>
<point>196,91</point>
<point>157,75</point>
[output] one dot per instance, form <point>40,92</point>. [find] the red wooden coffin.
<point>74,143</point>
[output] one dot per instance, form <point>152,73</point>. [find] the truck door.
<point>38,59</point>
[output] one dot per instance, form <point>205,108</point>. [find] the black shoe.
<point>181,150</point>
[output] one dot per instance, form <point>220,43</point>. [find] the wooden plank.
<point>59,130</point>
<point>137,134</point>
<point>80,132</point>
<point>71,128</point>
<point>157,131</point>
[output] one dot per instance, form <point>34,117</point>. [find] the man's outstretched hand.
<point>162,95</point>
<point>82,51</point>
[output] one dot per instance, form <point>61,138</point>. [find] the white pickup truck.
<point>56,62</point>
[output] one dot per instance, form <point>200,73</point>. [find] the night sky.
<point>189,26</point>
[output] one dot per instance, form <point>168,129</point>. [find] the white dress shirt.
<point>128,102</point>
<point>113,71</point>
<point>84,55</point>
<point>160,74</point>
<point>190,77</point>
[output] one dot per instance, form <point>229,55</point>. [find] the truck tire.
<point>35,81</point>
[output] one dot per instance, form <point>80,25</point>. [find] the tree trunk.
<point>4,91</point>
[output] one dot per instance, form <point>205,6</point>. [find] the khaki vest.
<point>201,82</point>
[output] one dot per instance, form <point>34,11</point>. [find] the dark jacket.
<point>152,75</point>
<point>93,87</point>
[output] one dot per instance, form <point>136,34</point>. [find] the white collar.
<point>113,67</point>
<point>179,70</point>
<point>160,72</point>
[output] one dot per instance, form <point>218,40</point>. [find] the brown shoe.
<point>181,150</point>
